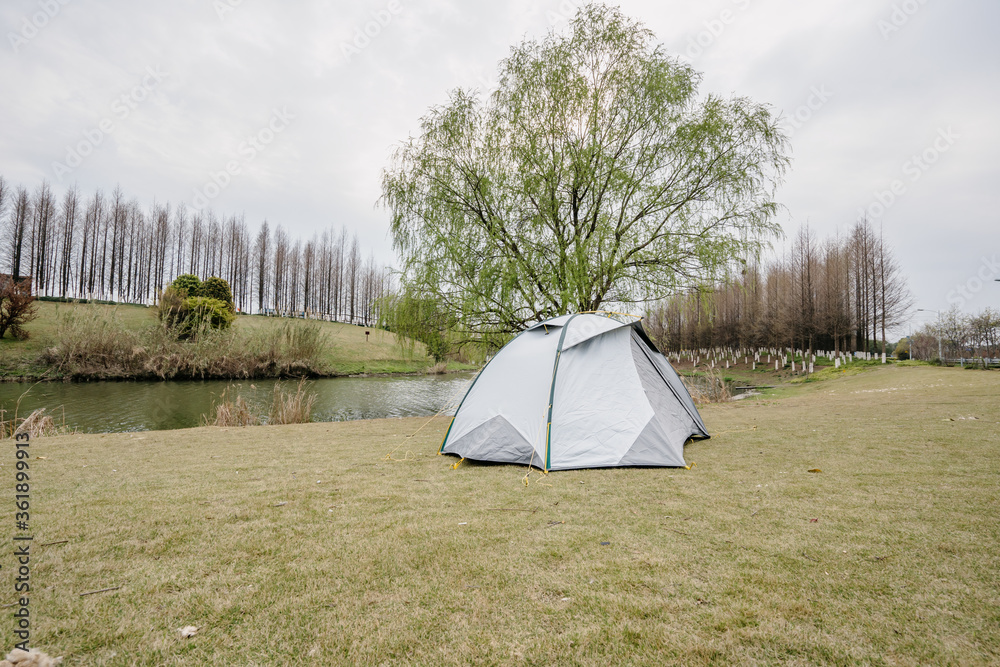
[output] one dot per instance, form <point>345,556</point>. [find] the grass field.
<point>301,544</point>
<point>349,352</point>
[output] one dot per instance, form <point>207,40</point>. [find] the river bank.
<point>75,342</point>
<point>122,406</point>
<point>354,542</point>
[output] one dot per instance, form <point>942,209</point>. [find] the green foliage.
<point>188,283</point>
<point>172,311</point>
<point>903,349</point>
<point>217,288</point>
<point>189,305</point>
<point>205,312</point>
<point>418,319</point>
<point>594,174</point>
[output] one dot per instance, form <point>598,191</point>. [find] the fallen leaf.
<point>815,470</point>
<point>44,458</point>
<point>188,631</point>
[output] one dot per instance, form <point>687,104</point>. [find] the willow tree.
<point>594,174</point>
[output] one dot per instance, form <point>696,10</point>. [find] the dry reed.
<point>35,425</point>
<point>291,408</point>
<point>231,411</point>
<point>709,388</point>
<point>93,343</point>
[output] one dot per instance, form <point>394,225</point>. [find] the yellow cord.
<point>742,430</point>
<point>409,454</point>
<point>526,480</point>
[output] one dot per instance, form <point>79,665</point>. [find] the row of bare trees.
<point>957,335</point>
<point>841,294</point>
<point>109,247</point>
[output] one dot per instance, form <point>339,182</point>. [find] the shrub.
<point>205,312</point>
<point>188,283</point>
<point>172,310</point>
<point>217,288</point>
<point>186,315</point>
<point>17,306</point>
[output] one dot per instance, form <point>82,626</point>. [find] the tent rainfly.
<point>576,391</point>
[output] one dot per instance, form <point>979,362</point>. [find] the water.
<point>100,407</point>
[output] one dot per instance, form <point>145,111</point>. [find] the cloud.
<point>231,63</point>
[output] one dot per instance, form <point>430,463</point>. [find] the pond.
<point>99,407</point>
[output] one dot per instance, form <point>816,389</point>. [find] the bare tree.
<point>895,299</point>
<point>70,214</point>
<point>17,227</point>
<point>43,210</point>
<point>262,263</point>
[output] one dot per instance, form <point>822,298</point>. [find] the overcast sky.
<point>303,101</point>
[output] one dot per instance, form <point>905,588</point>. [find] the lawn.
<point>348,351</point>
<point>294,545</point>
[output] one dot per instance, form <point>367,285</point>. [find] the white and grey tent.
<point>576,391</point>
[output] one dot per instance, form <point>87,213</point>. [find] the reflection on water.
<point>97,407</point>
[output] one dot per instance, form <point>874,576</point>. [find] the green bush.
<point>172,310</point>
<point>217,288</point>
<point>205,312</point>
<point>188,283</point>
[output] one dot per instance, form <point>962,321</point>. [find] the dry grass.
<point>291,408</point>
<point>300,545</point>
<point>439,368</point>
<point>287,407</point>
<point>92,341</point>
<point>35,425</point>
<point>230,411</point>
<point>95,343</point>
<point>707,387</point>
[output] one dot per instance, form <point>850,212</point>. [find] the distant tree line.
<point>110,247</point>
<point>956,335</point>
<point>841,294</point>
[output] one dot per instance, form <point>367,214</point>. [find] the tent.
<point>576,391</point>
